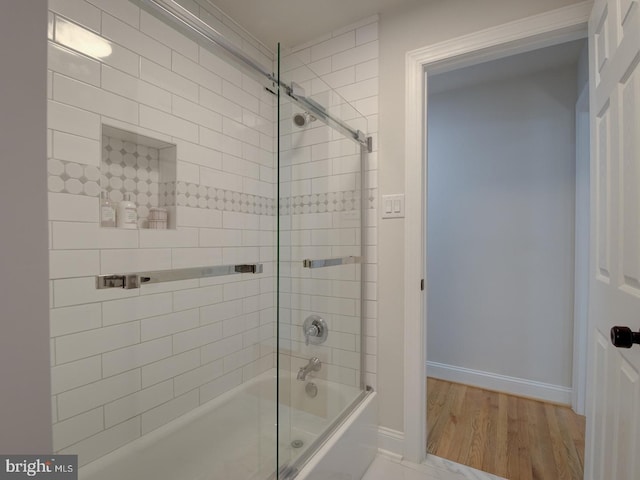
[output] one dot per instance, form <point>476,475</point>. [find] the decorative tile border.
<point>78,179</point>
<point>75,178</point>
<point>346,201</point>
<point>201,196</point>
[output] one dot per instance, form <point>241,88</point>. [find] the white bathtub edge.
<point>351,449</point>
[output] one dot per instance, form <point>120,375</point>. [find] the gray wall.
<point>25,413</point>
<point>501,227</point>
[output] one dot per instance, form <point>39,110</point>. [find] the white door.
<point>613,398</point>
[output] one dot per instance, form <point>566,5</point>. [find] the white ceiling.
<point>294,22</point>
<point>508,67</point>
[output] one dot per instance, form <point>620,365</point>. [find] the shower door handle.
<point>330,262</point>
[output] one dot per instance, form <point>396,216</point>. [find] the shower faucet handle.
<point>315,330</point>
<point>312,331</point>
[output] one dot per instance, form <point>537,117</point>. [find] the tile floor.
<point>434,468</point>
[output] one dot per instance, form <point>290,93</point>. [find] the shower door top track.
<point>170,10</point>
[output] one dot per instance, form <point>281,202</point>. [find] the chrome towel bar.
<point>135,280</point>
<point>330,262</point>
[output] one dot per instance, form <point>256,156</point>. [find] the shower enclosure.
<point>222,338</point>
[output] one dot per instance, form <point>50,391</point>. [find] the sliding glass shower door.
<point>206,246</point>
<point>321,156</point>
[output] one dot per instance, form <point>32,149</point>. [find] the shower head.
<point>303,119</point>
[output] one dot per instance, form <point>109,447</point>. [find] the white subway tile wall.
<point>125,362</point>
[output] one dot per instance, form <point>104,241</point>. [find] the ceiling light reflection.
<point>81,40</point>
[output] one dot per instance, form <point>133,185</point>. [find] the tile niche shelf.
<point>144,166</point>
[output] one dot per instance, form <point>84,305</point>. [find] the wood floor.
<point>513,437</point>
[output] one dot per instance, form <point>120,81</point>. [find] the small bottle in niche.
<point>158,218</point>
<point>107,211</point>
<point>127,212</point>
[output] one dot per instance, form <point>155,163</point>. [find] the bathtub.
<point>233,437</point>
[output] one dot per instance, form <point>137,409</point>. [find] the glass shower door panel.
<point>321,261</point>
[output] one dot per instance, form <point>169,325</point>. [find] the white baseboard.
<point>391,442</point>
<point>501,383</point>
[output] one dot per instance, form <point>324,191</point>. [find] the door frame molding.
<point>582,255</point>
<point>530,33</point>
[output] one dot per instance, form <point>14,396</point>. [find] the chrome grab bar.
<point>330,262</point>
<point>135,280</point>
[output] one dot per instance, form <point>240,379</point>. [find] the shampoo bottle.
<point>127,212</point>
<point>107,211</point>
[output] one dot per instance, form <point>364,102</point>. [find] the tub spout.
<point>313,366</point>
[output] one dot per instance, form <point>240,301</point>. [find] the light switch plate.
<point>393,206</point>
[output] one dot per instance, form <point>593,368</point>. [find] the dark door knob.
<point>623,337</point>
